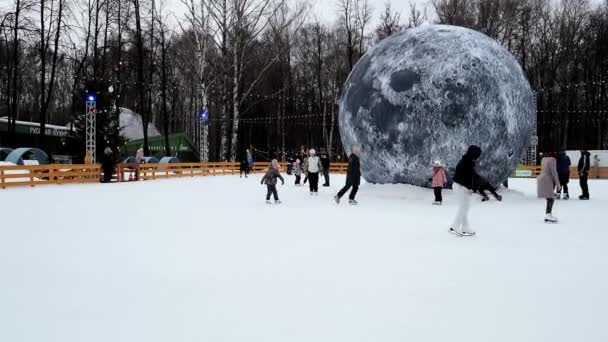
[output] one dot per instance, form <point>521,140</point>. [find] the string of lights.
<point>572,85</point>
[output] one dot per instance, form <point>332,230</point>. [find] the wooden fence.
<point>534,171</point>
<point>12,176</point>
<point>32,175</point>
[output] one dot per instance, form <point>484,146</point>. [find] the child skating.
<point>440,179</point>
<point>547,181</point>
<point>312,168</point>
<point>270,179</point>
<point>297,171</point>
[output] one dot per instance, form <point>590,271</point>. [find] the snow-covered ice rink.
<point>205,259</point>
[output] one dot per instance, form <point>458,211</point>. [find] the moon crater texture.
<point>428,93</point>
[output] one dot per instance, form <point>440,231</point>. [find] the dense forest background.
<point>270,73</point>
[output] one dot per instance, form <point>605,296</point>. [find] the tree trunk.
<point>14,109</point>
<point>139,42</point>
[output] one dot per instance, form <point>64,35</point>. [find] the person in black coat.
<point>466,180</point>
<point>584,165</point>
<point>563,172</point>
<point>353,177</point>
<point>326,164</point>
<point>107,165</point>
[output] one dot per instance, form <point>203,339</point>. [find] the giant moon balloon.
<point>428,93</point>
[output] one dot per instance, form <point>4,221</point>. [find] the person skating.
<point>312,168</point>
<point>244,169</point>
<point>353,177</point>
<point>465,179</point>
<point>547,181</point>
<point>325,162</point>
<point>563,173</point>
<point>596,166</point>
<point>583,173</point>
<point>439,180</point>
<point>270,179</point>
<point>297,171</point>
<point>107,164</point>
<point>250,161</point>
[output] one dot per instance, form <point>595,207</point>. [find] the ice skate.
<point>277,202</point>
<point>549,218</point>
<point>566,197</point>
<point>436,203</point>
<point>337,199</point>
<point>499,198</point>
<point>455,232</point>
<point>353,202</point>
<point>558,196</point>
<point>583,198</point>
<point>485,198</point>
<point>268,202</point>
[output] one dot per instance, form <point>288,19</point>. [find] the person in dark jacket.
<point>353,177</point>
<point>325,162</point>
<point>107,164</point>
<point>466,180</point>
<point>244,169</point>
<point>584,164</point>
<point>563,173</point>
<point>270,179</point>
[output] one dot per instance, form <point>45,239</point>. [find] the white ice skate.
<point>436,203</point>
<point>268,202</point>
<point>549,218</point>
<point>277,202</point>
<point>463,233</point>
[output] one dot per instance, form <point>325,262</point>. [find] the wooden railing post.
<point>2,179</point>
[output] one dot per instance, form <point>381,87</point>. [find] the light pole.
<point>91,129</point>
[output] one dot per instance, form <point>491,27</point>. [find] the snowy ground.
<point>205,259</point>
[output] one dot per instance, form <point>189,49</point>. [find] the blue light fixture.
<point>91,97</point>
<point>203,115</point>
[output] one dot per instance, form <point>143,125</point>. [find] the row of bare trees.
<point>268,72</point>
<point>563,48</point>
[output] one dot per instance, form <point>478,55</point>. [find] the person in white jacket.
<point>312,168</point>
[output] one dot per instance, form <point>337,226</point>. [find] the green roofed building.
<point>181,147</point>
<point>58,138</point>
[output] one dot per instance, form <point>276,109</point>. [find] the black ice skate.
<point>337,199</point>
<point>353,202</point>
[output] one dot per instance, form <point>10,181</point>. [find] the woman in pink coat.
<point>439,181</point>
<point>547,183</point>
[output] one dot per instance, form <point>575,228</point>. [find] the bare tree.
<point>390,22</point>
<point>55,22</point>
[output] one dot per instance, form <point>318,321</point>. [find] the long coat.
<point>548,179</point>
<point>353,174</point>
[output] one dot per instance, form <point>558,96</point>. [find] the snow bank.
<point>204,259</point>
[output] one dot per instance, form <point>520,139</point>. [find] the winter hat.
<point>312,152</point>
<point>437,163</point>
